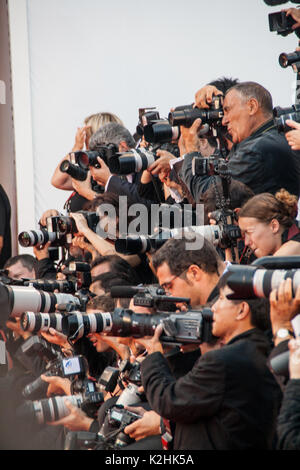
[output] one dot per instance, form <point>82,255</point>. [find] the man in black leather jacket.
<point>260,156</point>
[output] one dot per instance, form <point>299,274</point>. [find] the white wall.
<point>93,55</point>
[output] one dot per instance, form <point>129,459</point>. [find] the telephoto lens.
<point>161,132</point>
<point>36,322</point>
<point>27,299</point>
<point>249,282</point>
<point>63,286</point>
<point>48,410</point>
<point>133,161</point>
<point>36,237</point>
<point>74,171</point>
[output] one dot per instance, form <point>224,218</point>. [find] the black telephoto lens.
<point>74,171</point>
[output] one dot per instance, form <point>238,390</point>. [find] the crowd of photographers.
<point>176,329</point>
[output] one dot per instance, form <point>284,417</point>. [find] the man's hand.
<point>204,96</point>
<point>84,188</point>
<point>162,163</point>
<point>283,306</point>
<point>46,215</point>
<point>147,425</point>
<point>81,223</point>
<point>101,175</point>
<point>190,138</point>
<point>293,137</point>
<point>153,344</point>
<point>57,385</point>
<point>121,349</point>
<point>76,420</point>
<point>295,14</point>
<point>41,251</point>
<point>56,337</point>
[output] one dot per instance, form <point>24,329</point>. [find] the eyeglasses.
<point>168,285</point>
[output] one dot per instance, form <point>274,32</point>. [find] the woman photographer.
<point>268,224</point>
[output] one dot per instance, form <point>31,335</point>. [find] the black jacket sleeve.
<point>288,427</point>
<point>197,394</point>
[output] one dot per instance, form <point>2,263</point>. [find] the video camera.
<point>179,328</point>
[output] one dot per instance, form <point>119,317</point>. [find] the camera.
<point>14,300</point>
<point>222,235</point>
<point>292,59</point>
<point>63,286</point>
<point>38,237</point>
<point>262,276</point>
<point>281,115</point>
<point>185,116</point>
<point>190,327</point>
<point>65,225</point>
<point>150,296</point>
<point>88,158</point>
<point>75,171</point>
<point>209,166</point>
<point>133,161</point>
<point>65,367</point>
<point>154,129</point>
<point>282,24</point>
<point>36,322</point>
<point>53,409</point>
<point>118,418</point>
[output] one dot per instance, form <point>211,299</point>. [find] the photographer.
<point>194,272</point>
<point>268,224</point>
<point>230,399</point>
<point>288,420</point>
<point>118,135</point>
<point>260,156</point>
<point>81,191</point>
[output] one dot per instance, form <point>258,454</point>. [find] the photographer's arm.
<point>76,420</point>
<point>61,180</point>
<point>283,308</point>
<point>100,244</point>
<point>204,96</point>
<point>147,425</point>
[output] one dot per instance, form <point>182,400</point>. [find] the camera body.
<point>281,115</point>
<point>209,166</point>
<point>282,24</point>
<point>155,129</point>
<point>88,158</point>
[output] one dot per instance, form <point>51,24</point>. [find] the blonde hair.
<point>95,121</point>
<point>266,207</point>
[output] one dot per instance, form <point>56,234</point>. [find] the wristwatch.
<point>283,333</point>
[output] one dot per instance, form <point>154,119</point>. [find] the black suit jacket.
<point>228,401</point>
